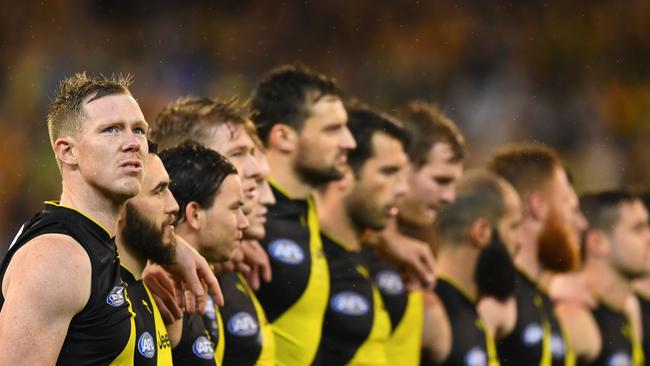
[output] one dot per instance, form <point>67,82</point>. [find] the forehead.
<point>154,172</point>
<point>388,148</point>
<point>230,190</point>
<point>440,159</point>
<point>117,107</point>
<point>227,136</point>
<point>328,109</point>
<point>632,211</point>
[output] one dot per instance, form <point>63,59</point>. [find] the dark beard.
<point>317,177</point>
<point>495,271</point>
<point>555,247</point>
<point>144,239</point>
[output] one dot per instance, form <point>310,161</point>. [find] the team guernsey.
<point>644,302</point>
<point>201,342</point>
<point>152,342</point>
<point>248,335</point>
<point>356,326</point>
<point>103,332</point>
<point>471,344</point>
<point>405,310</point>
<point>538,338</point>
<point>295,300</point>
<point>619,346</point>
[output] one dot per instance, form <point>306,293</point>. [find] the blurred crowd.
<point>573,75</point>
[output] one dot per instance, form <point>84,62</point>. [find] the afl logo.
<point>115,298</point>
<point>476,357</point>
<point>146,347</point>
<point>557,345</point>
<point>532,334</point>
<point>286,251</point>
<point>210,312</point>
<point>202,348</point>
<point>242,324</point>
<point>349,303</point>
<point>619,359</point>
<point>389,282</point>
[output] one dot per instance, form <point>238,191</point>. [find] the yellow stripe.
<point>298,331</point>
<point>58,204</point>
<point>373,350</point>
<point>460,289</point>
<point>403,347</point>
<point>490,345</point>
<point>164,355</point>
<point>128,353</point>
<point>221,345</point>
<point>267,356</point>
<point>569,355</point>
<point>547,356</point>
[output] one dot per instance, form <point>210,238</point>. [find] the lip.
<point>134,166</point>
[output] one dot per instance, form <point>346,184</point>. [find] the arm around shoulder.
<point>580,326</point>
<point>47,282</point>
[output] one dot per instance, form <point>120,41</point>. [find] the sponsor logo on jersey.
<point>532,334</point>
<point>286,251</point>
<point>349,303</point>
<point>116,298</point>
<point>203,348</point>
<point>242,324</point>
<point>619,359</point>
<point>557,345</point>
<point>163,341</point>
<point>476,357</point>
<point>210,312</point>
<point>389,282</point>
<point>146,346</point>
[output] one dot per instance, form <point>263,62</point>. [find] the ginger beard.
<point>557,249</point>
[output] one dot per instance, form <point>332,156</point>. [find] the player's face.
<point>630,252</point>
<point>564,204</point>
<point>263,198</point>
<point>147,226</point>
<point>224,222</point>
<point>431,186</point>
<point>233,142</point>
<point>381,182</point>
<point>111,146</point>
<point>324,142</point>
<point>510,224</point>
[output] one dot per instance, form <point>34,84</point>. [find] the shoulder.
<point>582,329</point>
<point>437,336</point>
<point>53,266</point>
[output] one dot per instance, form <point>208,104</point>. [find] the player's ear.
<point>480,232</point>
<point>194,215</point>
<point>65,152</point>
<point>536,206</point>
<point>284,138</point>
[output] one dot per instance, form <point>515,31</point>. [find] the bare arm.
<point>582,330</point>
<point>47,282</point>
<point>436,331</point>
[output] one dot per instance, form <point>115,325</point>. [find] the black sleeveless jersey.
<point>406,310</point>
<point>530,341</point>
<point>356,326</point>
<point>248,335</point>
<point>295,300</point>
<point>618,344</point>
<point>103,331</point>
<point>470,346</point>
<point>644,302</point>
<point>201,342</point>
<point>152,342</point>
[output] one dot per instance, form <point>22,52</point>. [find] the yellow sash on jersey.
<point>403,347</point>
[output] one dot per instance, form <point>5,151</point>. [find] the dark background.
<point>572,74</point>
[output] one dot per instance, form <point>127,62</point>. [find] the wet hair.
<point>426,126</point>
<point>192,118</point>
<point>286,95</point>
<point>479,195</point>
<point>364,124</point>
<point>66,111</point>
<point>526,166</point>
<point>196,174</point>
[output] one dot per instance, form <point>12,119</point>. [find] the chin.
<point>255,233</point>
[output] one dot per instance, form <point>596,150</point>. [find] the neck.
<point>335,221</point>
<point>426,234</point>
<point>188,235</point>
<point>284,173</point>
<point>642,286</point>
<point>607,283</point>
<point>100,208</point>
<point>134,264</point>
<point>458,262</point>
<point>527,259</point>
